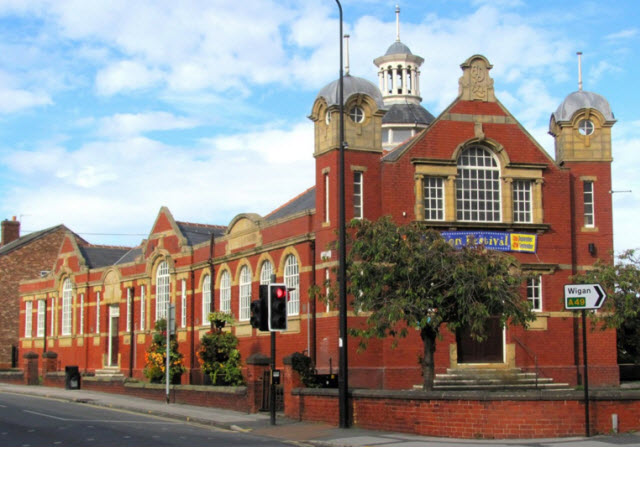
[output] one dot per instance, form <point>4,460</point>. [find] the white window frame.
<point>81,313</point>
<point>142,309</point>
<point>53,317</point>
<point>97,312</point>
<point>183,303</point>
<point>163,291</point>
<point>522,201</point>
<point>206,298</point>
<point>358,198</point>
<point>266,270</point>
<point>225,292</point>
<point>478,187</point>
<point>245,294</point>
<point>589,203</point>
<point>356,114</point>
<point>128,309</point>
<point>534,293</point>
<point>67,302</point>
<point>28,319</point>
<point>41,317</point>
<point>433,198</point>
<point>326,198</point>
<point>292,281</point>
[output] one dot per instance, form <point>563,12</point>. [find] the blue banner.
<point>506,242</point>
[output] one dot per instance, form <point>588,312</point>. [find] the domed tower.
<point>399,79</point>
<point>581,126</point>
<point>363,112</point>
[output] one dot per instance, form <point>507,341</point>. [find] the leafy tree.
<point>218,352</point>
<point>621,310</point>
<point>408,277</point>
<point>156,356</point>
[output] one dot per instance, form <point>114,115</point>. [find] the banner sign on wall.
<point>506,242</point>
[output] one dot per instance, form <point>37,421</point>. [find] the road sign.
<point>584,297</point>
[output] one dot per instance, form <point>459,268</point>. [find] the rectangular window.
<point>142,309</point>
<point>522,204</point>
<point>53,317</point>
<point>28,319</point>
<point>42,313</point>
<point>326,198</point>
<point>534,293</point>
<point>183,305</point>
<point>97,312</point>
<point>327,291</point>
<point>128,309</point>
<point>357,194</point>
<point>433,198</point>
<point>81,313</point>
<point>589,220</point>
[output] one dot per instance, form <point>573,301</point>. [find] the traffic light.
<point>259,311</point>
<point>277,307</point>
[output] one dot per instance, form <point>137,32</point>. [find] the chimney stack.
<point>10,231</point>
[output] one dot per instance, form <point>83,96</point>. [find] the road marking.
<point>93,420</point>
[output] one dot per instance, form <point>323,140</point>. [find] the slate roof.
<point>130,256</point>
<point>398,47</point>
<point>25,239</point>
<point>196,233</point>
<point>305,201</point>
<point>352,86</point>
<point>578,100</point>
<point>409,113</point>
<point>98,256</point>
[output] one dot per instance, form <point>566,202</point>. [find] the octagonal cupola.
<point>363,111</point>
<point>581,126</point>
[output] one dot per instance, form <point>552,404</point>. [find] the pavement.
<point>299,433</point>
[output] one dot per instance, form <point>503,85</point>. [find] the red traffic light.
<point>281,292</point>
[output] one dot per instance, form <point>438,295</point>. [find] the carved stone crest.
<point>475,83</point>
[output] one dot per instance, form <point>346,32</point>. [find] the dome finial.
<point>397,23</point>
<point>579,70</point>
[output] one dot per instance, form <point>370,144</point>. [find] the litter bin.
<point>71,378</point>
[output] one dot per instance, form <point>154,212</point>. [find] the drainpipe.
<point>212,282</point>
<point>193,329</point>
<point>312,326</point>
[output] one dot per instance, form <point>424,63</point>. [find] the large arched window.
<point>66,306</point>
<point>206,299</point>
<point>478,186</point>
<point>292,280</point>
<point>162,291</point>
<point>265,272</point>
<point>225,292</point>
<point>245,293</point>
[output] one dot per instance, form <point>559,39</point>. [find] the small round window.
<point>356,114</point>
<point>585,127</point>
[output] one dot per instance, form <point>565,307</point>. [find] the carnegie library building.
<point>471,171</point>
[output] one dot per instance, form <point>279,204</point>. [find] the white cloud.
<point>126,75</point>
<point>133,124</point>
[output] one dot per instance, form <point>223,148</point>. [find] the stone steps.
<point>494,379</point>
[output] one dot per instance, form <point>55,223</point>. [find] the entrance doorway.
<point>490,350</point>
<point>112,344</point>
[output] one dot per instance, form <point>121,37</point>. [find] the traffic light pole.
<point>585,376</point>
<point>272,385</point>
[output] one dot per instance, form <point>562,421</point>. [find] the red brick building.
<point>21,258</point>
<point>471,171</point>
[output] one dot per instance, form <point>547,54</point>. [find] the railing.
<point>531,355</point>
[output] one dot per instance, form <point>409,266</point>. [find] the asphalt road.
<point>27,421</point>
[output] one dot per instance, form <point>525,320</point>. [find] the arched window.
<point>66,306</point>
<point>162,291</point>
<point>478,186</point>
<point>265,272</point>
<point>245,294</point>
<point>225,292</point>
<point>292,280</point>
<point>206,299</point>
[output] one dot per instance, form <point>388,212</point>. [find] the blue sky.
<point>111,109</point>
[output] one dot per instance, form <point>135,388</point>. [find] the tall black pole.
<point>272,368</point>
<point>584,375</point>
<point>343,381</point>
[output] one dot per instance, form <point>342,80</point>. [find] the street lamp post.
<point>343,381</point>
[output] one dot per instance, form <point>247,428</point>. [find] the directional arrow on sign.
<point>584,297</point>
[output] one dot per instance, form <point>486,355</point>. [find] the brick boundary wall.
<point>488,415</point>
